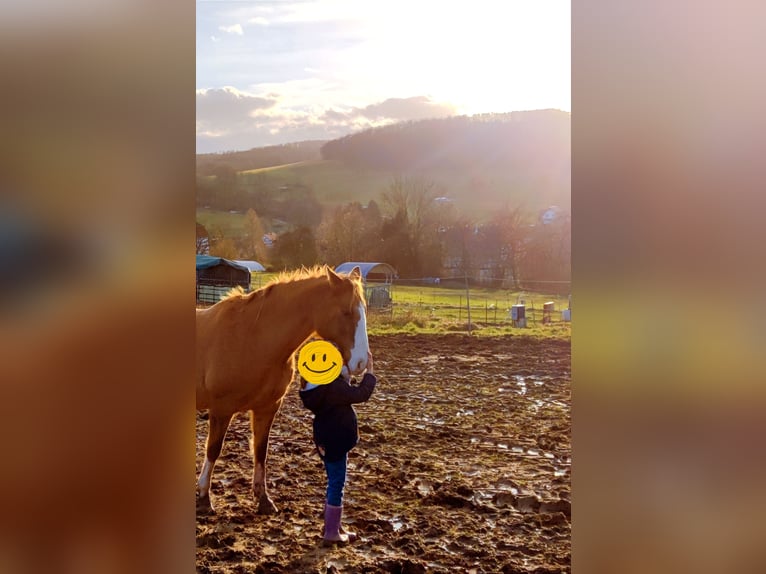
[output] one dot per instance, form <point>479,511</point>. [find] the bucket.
<point>519,315</point>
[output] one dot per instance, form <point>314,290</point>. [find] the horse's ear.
<point>333,277</point>
<point>356,273</point>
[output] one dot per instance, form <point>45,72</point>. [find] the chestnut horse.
<point>245,349</point>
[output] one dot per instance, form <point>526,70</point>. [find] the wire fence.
<point>455,300</point>
<point>478,308</point>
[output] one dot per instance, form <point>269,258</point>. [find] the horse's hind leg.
<point>261,425</point>
<point>217,427</point>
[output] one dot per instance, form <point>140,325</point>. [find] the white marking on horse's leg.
<point>361,346</point>
<point>203,485</point>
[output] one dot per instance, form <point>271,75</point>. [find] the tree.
<point>412,212</point>
<point>295,248</point>
<point>395,246</point>
<point>255,232</point>
<point>512,234</point>
<point>225,175</point>
<point>547,254</point>
<point>349,233</point>
<point>301,207</point>
<point>225,248</point>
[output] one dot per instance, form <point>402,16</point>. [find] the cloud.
<point>221,111</point>
<point>233,29</point>
<point>228,119</point>
<point>414,108</point>
<point>259,20</point>
<point>336,116</point>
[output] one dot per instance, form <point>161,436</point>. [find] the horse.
<point>245,348</point>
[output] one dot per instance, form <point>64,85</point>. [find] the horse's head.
<point>343,319</point>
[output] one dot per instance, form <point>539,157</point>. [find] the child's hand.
<point>369,363</point>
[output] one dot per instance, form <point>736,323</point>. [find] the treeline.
<point>421,237</point>
<point>531,141</point>
<point>260,157</point>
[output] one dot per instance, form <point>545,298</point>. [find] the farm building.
<point>216,276</point>
<point>377,278</point>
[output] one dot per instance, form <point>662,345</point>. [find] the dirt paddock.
<point>463,466</point>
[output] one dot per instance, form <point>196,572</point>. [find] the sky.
<point>279,71</point>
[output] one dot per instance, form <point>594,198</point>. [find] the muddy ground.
<point>463,466</point>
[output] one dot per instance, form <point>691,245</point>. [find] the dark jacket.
<point>335,428</point>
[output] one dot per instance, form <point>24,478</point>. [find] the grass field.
<point>332,182</point>
<point>230,224</point>
<point>431,309</point>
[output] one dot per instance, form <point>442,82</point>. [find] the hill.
<point>480,164</point>
<point>530,142</point>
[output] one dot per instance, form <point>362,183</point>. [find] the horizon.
<point>232,151</point>
<point>280,72</point>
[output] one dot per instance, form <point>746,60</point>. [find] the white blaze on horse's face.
<point>359,351</point>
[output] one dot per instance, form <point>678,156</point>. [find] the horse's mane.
<point>302,273</point>
<point>315,271</point>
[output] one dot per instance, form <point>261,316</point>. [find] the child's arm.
<point>349,395</point>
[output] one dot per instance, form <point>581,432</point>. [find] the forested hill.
<point>260,157</point>
<point>533,141</point>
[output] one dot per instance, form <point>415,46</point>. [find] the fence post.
<point>468,303</point>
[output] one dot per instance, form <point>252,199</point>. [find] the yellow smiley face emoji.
<point>319,362</point>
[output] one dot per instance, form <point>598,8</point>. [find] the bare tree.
<point>410,200</point>
<point>513,233</point>
<point>336,236</point>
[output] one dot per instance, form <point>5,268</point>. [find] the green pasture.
<point>230,224</point>
<point>431,309</point>
<point>331,181</point>
<point>439,309</point>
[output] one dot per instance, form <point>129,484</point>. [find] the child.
<point>335,434</point>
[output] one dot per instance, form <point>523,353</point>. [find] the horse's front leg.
<point>260,424</point>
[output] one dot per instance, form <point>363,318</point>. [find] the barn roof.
<point>251,265</point>
<point>367,268</point>
<point>206,261</point>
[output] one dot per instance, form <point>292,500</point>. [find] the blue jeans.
<point>336,480</point>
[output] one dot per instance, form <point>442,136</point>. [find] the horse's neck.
<point>282,312</point>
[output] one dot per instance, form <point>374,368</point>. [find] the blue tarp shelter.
<point>373,272</point>
<point>377,277</point>
<point>253,266</point>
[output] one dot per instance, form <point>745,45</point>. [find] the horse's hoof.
<point>204,506</point>
<point>266,506</point>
